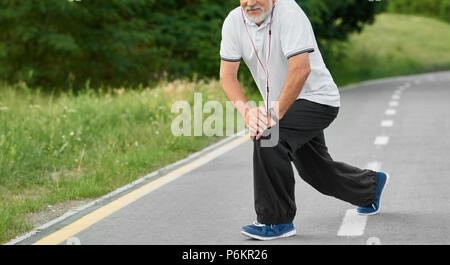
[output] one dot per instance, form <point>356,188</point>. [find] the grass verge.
<point>56,149</point>
<point>394,45</point>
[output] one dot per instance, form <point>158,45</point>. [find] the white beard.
<point>261,17</point>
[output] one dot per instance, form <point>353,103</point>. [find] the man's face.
<point>257,10</point>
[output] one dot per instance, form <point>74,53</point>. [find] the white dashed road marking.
<point>381,140</point>
<point>387,123</point>
<point>396,97</point>
<point>391,112</point>
<point>373,241</point>
<point>353,224</point>
<point>375,166</point>
<point>393,104</point>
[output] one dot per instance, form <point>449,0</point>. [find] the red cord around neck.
<point>266,69</point>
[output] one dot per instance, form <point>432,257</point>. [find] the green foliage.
<point>394,45</point>
<point>64,44</point>
<point>54,42</point>
<point>434,8</point>
<point>334,20</point>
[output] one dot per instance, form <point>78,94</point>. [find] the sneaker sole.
<point>285,235</point>
<point>384,188</point>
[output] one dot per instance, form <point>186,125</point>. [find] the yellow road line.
<point>97,215</point>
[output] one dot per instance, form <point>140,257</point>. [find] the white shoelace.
<point>260,225</point>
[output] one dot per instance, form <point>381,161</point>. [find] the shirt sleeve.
<point>297,34</point>
<point>229,46</point>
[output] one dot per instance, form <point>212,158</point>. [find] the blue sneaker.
<point>383,180</point>
<point>268,232</point>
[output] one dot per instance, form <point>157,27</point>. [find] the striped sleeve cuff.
<point>292,54</point>
<point>230,60</point>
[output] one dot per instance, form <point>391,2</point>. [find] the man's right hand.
<point>256,121</point>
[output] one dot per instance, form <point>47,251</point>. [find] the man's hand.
<point>257,121</point>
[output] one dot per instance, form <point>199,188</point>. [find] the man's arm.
<point>255,118</point>
<point>231,87</point>
<point>298,72</point>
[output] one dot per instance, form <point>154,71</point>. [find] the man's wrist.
<point>242,108</point>
<point>274,115</point>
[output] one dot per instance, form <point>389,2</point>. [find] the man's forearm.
<point>235,94</point>
<point>293,85</point>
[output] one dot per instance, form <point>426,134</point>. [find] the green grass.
<point>394,45</point>
<point>54,149</point>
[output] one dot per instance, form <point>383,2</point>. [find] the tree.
<point>56,43</point>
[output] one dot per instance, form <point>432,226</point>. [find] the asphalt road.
<point>210,204</point>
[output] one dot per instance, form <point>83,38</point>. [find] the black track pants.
<point>301,140</point>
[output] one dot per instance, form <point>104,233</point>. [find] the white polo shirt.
<point>292,34</point>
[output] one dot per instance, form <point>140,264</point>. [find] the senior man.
<point>276,41</point>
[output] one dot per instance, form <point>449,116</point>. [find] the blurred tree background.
<point>57,44</point>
